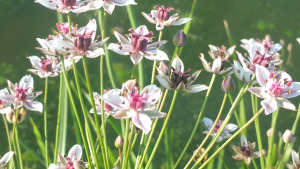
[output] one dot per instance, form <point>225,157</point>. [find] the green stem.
<point>211,130</point>
<point>16,140</point>
<point>257,129</point>
<point>125,143</point>
<point>75,110</point>
<point>296,121</point>
<point>154,63</point>
<point>129,144</point>
<point>241,94</point>
<point>45,122</point>
<point>198,120</point>
<point>229,140</point>
<point>85,113</point>
<point>133,72</point>
<point>162,130</point>
<point>273,125</point>
<point>8,136</point>
<point>58,119</point>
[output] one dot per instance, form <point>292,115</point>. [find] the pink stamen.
<point>70,164</point>
<point>21,94</point>
<point>276,89</point>
<point>46,65</point>
<point>139,41</point>
<point>137,101</point>
<point>163,13</point>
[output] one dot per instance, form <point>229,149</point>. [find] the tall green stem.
<point>273,126</point>
<point>257,129</point>
<point>162,130</point>
<point>209,133</point>
<point>198,120</point>
<point>229,140</point>
<point>75,110</point>
<point>85,114</point>
<point>16,140</point>
<point>58,118</point>
<point>8,137</point>
<point>45,122</point>
<point>125,143</point>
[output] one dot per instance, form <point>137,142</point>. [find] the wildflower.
<point>139,106</point>
<point>287,136</point>
<point>109,5</point>
<point>22,94</point>
<point>4,105</point>
<point>161,17</point>
<point>199,154</point>
<point>241,73</point>
<point>108,109</point>
<point>245,151</point>
<point>296,161</point>
<point>119,142</point>
<point>275,89</point>
<point>45,67</point>
<point>5,159</point>
<point>180,80</point>
<point>82,42</point>
<point>66,6</point>
<point>72,161</point>
<point>226,132</point>
<point>136,45</point>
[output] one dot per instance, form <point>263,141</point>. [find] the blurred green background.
<point>22,21</point>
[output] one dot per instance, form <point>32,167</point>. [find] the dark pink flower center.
<point>70,164</point>
<point>82,42</point>
<point>163,13</point>
<point>107,107</point>
<point>137,101</point>
<point>2,104</point>
<point>246,151</point>
<point>275,89</point>
<point>139,40</point>
<point>63,27</point>
<point>21,94</point>
<point>68,2</point>
<point>46,65</point>
<point>217,127</point>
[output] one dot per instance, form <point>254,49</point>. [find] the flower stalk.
<point>155,62</point>
<point>45,122</point>
<point>198,120</point>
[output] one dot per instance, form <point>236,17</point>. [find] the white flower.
<point>44,67</point>
<point>296,161</point>
<point>108,109</point>
<point>219,56</point>
<point>82,43</point>
<point>136,45</point>
<point>66,6</point>
<point>4,105</point>
<point>5,159</point>
<point>226,132</point>
<point>109,5</point>
<point>275,89</point>
<point>179,80</point>
<point>71,161</point>
<point>139,106</point>
<point>161,17</point>
<point>22,94</point>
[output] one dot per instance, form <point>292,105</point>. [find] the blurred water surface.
<point>22,21</point>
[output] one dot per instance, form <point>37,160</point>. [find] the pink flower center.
<point>70,164</point>
<point>163,13</point>
<point>68,2</point>
<point>63,28</point>
<point>46,65</point>
<point>21,94</point>
<point>137,101</point>
<point>217,127</point>
<point>107,107</point>
<point>2,104</point>
<point>82,42</point>
<point>138,40</point>
<point>275,89</point>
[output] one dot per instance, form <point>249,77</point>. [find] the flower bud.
<point>263,152</point>
<point>228,85</point>
<point>287,136</point>
<point>270,132</point>
<point>119,142</point>
<point>11,117</point>
<point>179,39</point>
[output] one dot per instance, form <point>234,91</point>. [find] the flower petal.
<point>5,159</point>
<point>181,21</point>
<point>243,140</point>
<point>177,64</point>
<point>208,122</point>
<point>196,88</point>
<point>157,56</point>
<point>164,81</point>
<point>116,101</point>
<point>292,91</point>
<point>152,94</point>
<point>149,18</point>
<point>285,103</point>
<point>259,92</point>
<point>269,104</point>
<point>154,114</point>
<point>33,105</point>
<point>75,152</point>
<point>142,121</point>
<point>136,58</point>
<point>123,2</point>
<point>206,65</point>
<point>216,66</point>
<point>262,75</point>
